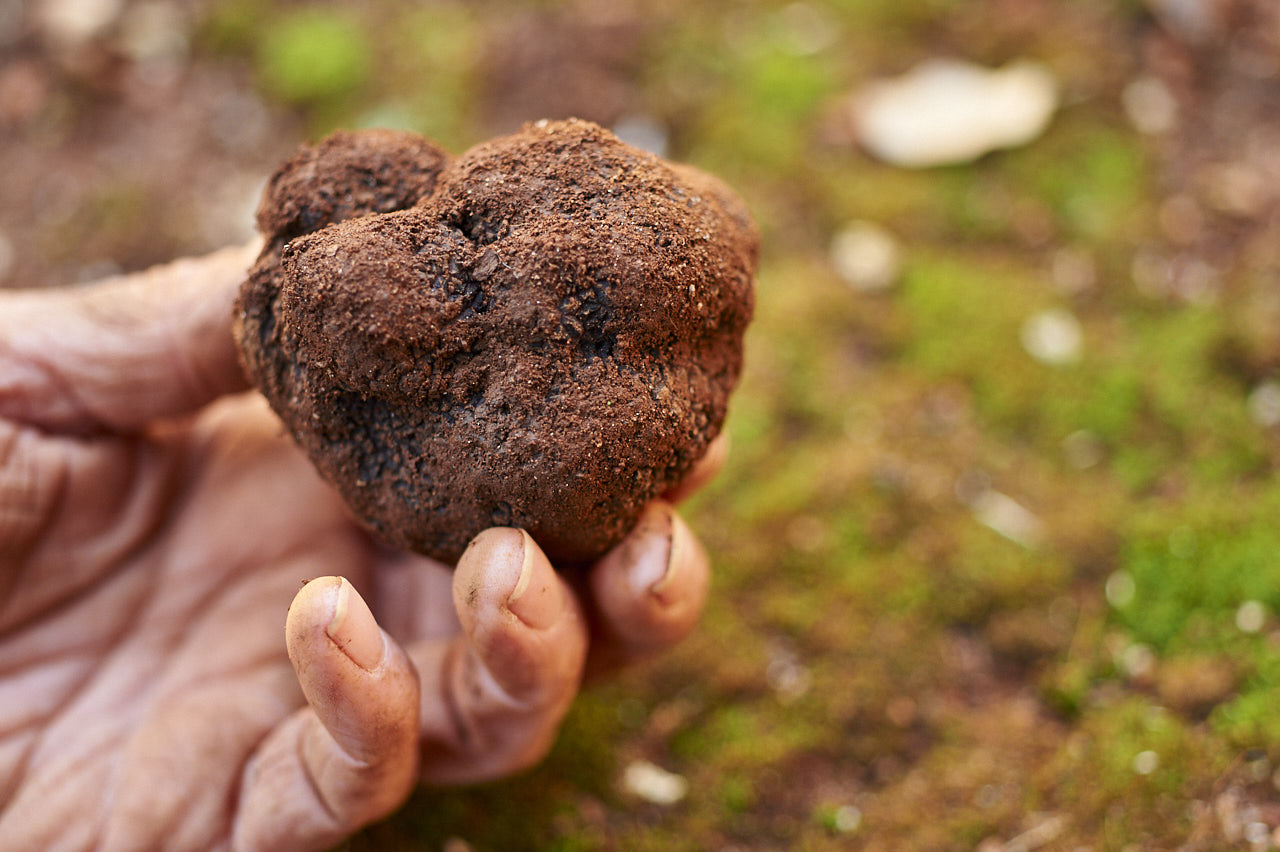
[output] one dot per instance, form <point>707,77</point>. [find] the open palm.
<point>157,529</point>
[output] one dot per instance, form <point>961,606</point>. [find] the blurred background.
<point>997,553</point>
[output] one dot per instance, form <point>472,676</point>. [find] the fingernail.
<point>681,538</point>
<point>354,630</point>
<point>535,600</point>
<point>656,535</point>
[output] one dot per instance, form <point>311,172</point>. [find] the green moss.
<point>1093,176</point>
<point>766,98</point>
<point>1250,719</point>
<point>313,54</point>
<point>989,573</point>
<point>1196,567</point>
<point>966,317</point>
<point>737,793</point>
<point>231,26</point>
<point>1143,756</point>
<point>438,52</point>
<point>742,734</point>
<point>862,190</point>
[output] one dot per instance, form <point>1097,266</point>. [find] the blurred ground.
<point>997,560</point>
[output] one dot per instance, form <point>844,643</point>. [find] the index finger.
<point>128,350</point>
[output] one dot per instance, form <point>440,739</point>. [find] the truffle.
<point>542,332</point>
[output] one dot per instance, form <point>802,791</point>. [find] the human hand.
<point>153,531</point>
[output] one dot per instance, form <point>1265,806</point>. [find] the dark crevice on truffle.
<point>587,318</point>
<point>476,228</point>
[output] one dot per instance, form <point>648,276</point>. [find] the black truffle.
<point>542,332</point>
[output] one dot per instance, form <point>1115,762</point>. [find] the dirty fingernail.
<point>354,630</point>
<point>681,538</point>
<point>655,534</point>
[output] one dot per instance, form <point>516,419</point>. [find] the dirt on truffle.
<point>543,332</point>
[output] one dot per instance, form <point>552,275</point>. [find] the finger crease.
<point>9,787</point>
<point>236,793</point>
<point>17,613</point>
<point>308,775</point>
<point>464,734</point>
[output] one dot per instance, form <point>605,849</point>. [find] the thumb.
<point>351,756</point>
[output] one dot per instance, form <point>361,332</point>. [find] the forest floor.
<point>966,595</point>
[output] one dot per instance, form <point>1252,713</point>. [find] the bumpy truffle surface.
<point>542,332</point>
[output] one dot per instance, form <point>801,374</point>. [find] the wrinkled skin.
<point>157,686</point>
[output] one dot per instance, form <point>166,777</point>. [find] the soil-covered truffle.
<point>542,332</point>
